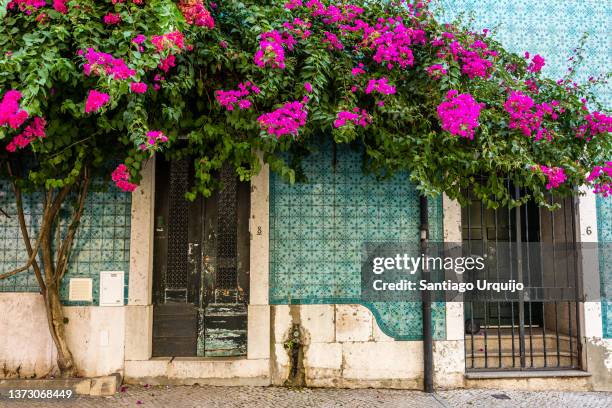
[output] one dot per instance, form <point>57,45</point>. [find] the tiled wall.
<point>317,230</point>
<point>102,242</point>
<point>551,28</point>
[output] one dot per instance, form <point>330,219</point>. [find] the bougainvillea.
<point>601,176</point>
<point>357,117</point>
<point>459,114</point>
<point>271,50</point>
<point>10,114</point>
<point>436,71</point>
<point>237,97</point>
<point>121,178</point>
<point>196,13</point>
<point>536,64</point>
<point>95,100</point>
<point>138,87</point>
<point>33,131</point>
<point>555,175</point>
<point>99,63</point>
<point>286,120</point>
<point>381,86</point>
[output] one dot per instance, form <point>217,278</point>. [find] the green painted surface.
<point>317,230</point>
<point>101,244</point>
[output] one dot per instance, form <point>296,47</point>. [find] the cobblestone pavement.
<point>273,397</point>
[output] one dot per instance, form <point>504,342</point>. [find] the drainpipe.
<point>427,324</point>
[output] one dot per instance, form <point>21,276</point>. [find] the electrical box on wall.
<point>111,288</point>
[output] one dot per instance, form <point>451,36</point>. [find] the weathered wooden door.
<point>201,265</point>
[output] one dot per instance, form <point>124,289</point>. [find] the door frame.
<point>252,369</point>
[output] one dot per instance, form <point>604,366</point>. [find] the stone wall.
<point>342,346</point>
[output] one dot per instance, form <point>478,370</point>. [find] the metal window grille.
<point>540,328</point>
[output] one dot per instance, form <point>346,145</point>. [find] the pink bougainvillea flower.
<point>475,58</point>
<point>358,70</point>
<point>156,136</point>
<point>121,177</point>
<point>357,117</point>
<point>100,63</point>
<point>291,4</point>
<point>555,175</point>
<point>603,177</point>
<point>271,50</point>
<point>596,123</point>
<point>95,100</point>
<point>35,130</point>
<point>298,27</point>
<point>60,6</point>
<point>236,97</point>
<point>308,87</point>
<point>139,39</point>
<point>474,65</point>
<point>138,87</point>
<point>381,86</point>
<point>173,40</point>
<point>536,64</point>
<point>112,19</point>
<point>26,5</point>
<point>332,40</point>
<point>459,114</point>
<point>244,104</point>
<point>391,41</point>
<point>165,64</point>
<point>528,116</point>
<point>10,113</point>
<point>195,13</point>
<point>519,105</point>
<point>436,71</point>
<point>286,120</point>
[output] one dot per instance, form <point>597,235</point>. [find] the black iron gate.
<point>539,327</point>
<point>201,262</point>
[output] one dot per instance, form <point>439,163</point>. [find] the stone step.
<point>536,342</point>
<point>535,360</point>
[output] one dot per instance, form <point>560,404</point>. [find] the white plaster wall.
<point>95,336</point>
<point>26,347</point>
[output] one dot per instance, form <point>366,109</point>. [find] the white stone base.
<point>189,371</point>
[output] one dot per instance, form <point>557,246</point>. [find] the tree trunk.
<point>53,304</point>
<point>57,328</point>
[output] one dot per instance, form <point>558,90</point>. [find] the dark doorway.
<point>201,264</point>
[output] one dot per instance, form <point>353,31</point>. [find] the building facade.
<point>261,283</point>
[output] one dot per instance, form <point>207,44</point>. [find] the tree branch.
<point>24,229</point>
<point>66,246</point>
<point>24,267</point>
